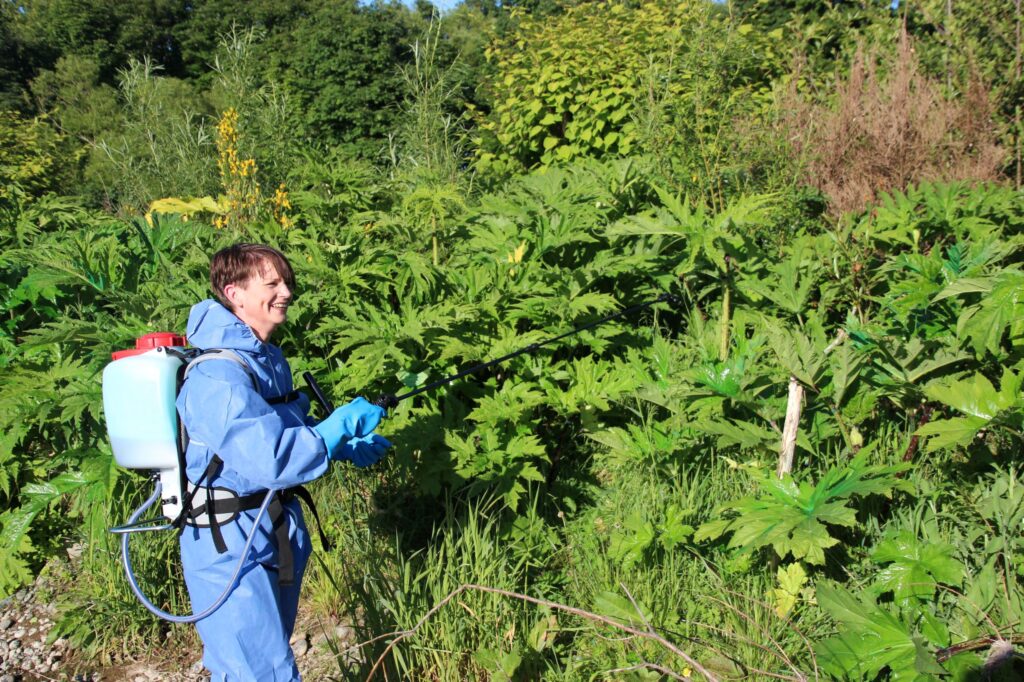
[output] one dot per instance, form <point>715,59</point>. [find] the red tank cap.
<point>150,341</point>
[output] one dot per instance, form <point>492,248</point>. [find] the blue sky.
<point>444,5</point>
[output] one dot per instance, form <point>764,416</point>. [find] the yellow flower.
<point>517,255</point>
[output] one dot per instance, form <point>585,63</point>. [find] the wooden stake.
<point>793,407</point>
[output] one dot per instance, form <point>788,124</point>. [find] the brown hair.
<point>239,263</point>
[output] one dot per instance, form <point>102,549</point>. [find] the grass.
<point>391,578</point>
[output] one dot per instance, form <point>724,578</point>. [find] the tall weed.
<point>888,125</point>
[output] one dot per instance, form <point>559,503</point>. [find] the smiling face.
<point>261,301</point>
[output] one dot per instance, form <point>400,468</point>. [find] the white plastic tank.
<point>138,402</point>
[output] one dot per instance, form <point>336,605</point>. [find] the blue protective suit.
<point>263,446</point>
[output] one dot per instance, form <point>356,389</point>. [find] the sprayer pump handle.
<point>321,397</point>
<point>386,400</point>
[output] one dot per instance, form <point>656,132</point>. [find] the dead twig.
<point>646,634</point>
<point>943,655</point>
<point>649,666</point>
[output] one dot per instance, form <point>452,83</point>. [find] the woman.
<point>248,433</point>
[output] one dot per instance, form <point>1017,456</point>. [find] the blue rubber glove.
<point>357,419</point>
<point>364,451</point>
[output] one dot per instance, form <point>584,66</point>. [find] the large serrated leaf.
<point>951,433</point>
<point>915,567</point>
<point>869,640</point>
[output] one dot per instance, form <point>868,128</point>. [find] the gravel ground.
<point>24,625</point>
<point>26,621</point>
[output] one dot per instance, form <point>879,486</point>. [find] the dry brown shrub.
<point>887,128</point>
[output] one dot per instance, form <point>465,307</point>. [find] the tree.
<point>74,97</point>
<point>209,21</point>
<point>12,72</point>
<point>108,31</point>
<point>32,162</point>
<point>341,68</point>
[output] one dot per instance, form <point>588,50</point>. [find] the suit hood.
<point>211,325</point>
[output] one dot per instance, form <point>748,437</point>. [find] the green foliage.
<point>579,472</point>
<point>625,430</point>
<point>999,311</point>
<point>201,36</point>
<point>16,547</point>
<point>104,30</point>
<point>360,64</point>
<point>33,161</point>
<point>566,85</point>
<point>638,536</point>
<point>430,144</point>
<point>74,93</point>
<point>790,591</point>
<point>162,147</point>
<point>12,67</point>
<point>915,567</point>
<point>794,518</point>
<point>984,407</point>
<point>873,639</point>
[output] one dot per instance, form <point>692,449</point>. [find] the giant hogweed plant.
<point>945,579</point>
<point>532,264</point>
<point>794,518</point>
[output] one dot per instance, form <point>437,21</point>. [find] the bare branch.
<point>649,666</point>
<point>646,634</point>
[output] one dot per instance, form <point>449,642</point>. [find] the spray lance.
<point>389,401</point>
<point>147,435</point>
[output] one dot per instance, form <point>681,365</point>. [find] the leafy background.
<point>830,192</point>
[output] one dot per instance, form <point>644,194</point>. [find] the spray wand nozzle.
<point>389,400</point>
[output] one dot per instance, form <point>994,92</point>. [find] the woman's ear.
<point>232,292</point>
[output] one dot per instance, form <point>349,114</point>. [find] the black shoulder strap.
<point>191,358</point>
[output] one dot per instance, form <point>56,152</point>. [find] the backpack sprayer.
<point>146,434</point>
<point>140,388</point>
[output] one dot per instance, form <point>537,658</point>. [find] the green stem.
<point>433,236</point>
<point>723,349</point>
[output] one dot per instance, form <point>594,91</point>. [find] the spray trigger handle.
<point>325,403</point>
<point>386,401</point>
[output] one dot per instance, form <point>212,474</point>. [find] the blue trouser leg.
<point>247,637</point>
